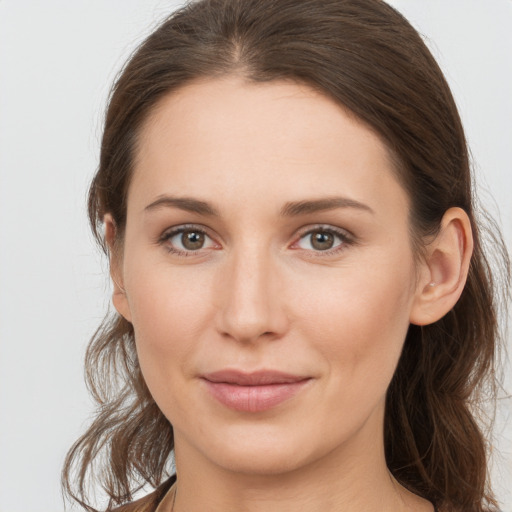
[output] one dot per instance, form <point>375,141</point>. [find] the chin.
<point>269,451</point>
<point>261,462</point>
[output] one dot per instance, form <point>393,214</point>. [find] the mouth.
<point>253,392</point>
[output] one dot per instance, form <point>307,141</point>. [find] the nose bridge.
<point>251,302</point>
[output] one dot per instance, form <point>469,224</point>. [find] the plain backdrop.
<point>57,61</point>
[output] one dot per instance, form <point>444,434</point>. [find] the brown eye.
<point>185,240</point>
<point>322,240</point>
<point>192,240</point>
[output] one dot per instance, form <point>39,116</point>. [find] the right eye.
<point>186,240</point>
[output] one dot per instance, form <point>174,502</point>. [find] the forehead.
<point>233,140</point>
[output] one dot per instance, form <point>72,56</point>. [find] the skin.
<point>259,294</point>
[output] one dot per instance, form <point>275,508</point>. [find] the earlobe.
<point>445,269</point>
<point>119,298</point>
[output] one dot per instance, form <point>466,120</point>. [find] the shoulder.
<point>150,502</point>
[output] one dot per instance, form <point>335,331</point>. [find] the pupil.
<point>192,240</point>
<point>322,240</point>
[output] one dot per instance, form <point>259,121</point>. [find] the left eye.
<point>321,240</point>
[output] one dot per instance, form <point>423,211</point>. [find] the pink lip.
<point>253,392</point>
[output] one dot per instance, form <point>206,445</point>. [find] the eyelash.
<point>346,239</point>
<point>176,231</point>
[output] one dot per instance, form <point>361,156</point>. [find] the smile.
<point>253,392</point>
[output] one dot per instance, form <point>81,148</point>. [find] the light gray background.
<point>57,60</point>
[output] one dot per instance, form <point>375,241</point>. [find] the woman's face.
<point>268,273</point>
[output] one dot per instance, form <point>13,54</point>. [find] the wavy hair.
<point>368,58</point>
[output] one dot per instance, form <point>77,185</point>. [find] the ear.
<point>119,298</point>
<point>445,268</point>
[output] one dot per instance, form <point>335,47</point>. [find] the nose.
<point>252,302</point>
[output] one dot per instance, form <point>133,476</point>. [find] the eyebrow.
<point>188,204</point>
<point>318,205</point>
<point>290,209</point>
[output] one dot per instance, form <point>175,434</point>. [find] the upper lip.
<point>256,378</point>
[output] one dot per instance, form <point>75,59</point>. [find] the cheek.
<point>359,321</point>
<point>169,310</point>
<point>351,321</point>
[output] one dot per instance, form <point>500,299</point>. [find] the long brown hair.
<point>367,57</point>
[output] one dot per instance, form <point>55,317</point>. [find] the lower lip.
<point>254,398</point>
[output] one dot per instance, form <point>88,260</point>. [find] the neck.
<point>352,478</point>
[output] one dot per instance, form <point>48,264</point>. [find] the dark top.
<point>150,502</point>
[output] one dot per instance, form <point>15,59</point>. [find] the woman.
<point>305,315</point>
